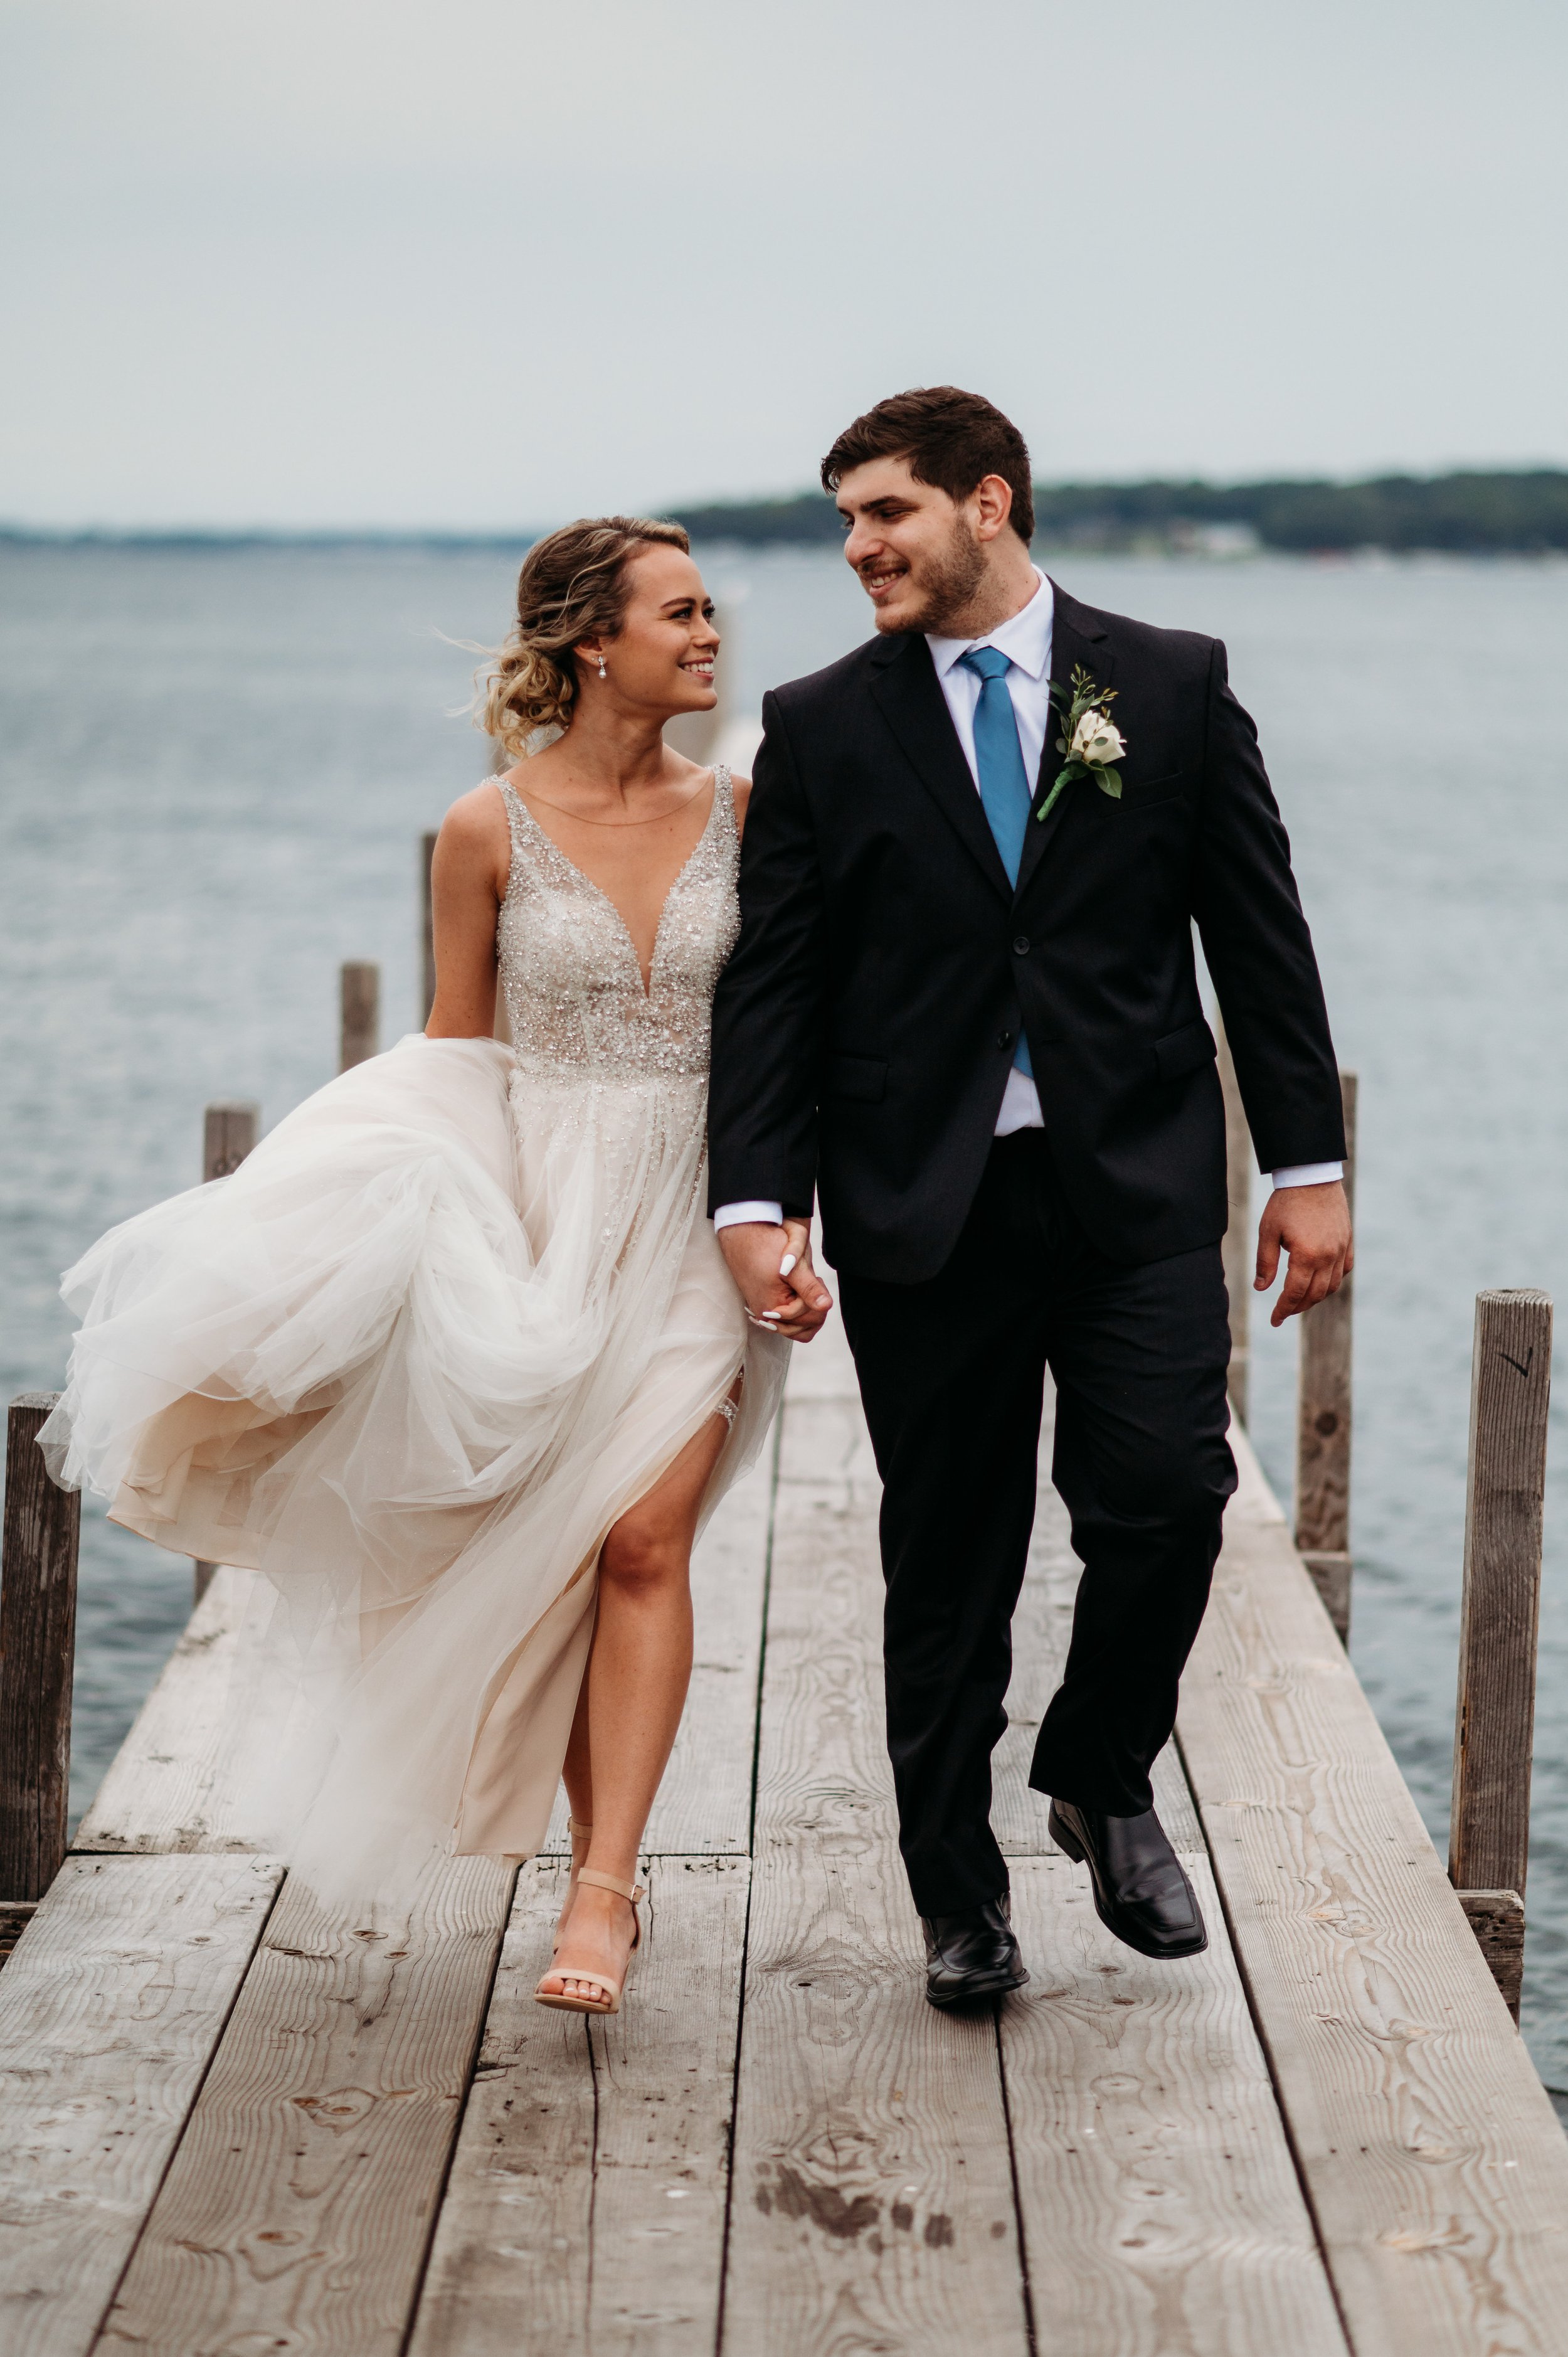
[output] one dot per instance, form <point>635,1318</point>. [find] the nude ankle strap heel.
<point>608,1999</point>
<point>632,1890</point>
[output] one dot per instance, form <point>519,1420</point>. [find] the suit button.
<point>1004,1039</point>
<point>1021,946</point>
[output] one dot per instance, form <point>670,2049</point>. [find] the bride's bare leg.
<point>633,1695</point>
<point>578,1778</point>
<point>578,1773</point>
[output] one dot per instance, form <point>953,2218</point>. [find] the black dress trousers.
<point>952,1373</point>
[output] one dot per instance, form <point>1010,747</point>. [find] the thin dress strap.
<point>517,816</point>
<point>724,794</point>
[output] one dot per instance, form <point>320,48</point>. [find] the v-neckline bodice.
<point>580,877</point>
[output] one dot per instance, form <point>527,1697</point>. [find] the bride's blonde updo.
<point>572,585</point>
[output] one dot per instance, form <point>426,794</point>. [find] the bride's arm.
<point>468,879</point>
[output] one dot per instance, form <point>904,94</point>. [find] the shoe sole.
<point>978,1995</point>
<point>1073,1848</point>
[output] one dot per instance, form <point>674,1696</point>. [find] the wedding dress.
<point>452,1318</point>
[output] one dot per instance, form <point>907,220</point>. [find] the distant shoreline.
<point>1471,514</point>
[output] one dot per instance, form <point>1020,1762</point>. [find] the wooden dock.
<point>229,2124</point>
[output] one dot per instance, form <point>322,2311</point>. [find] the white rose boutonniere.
<point>1096,741</point>
<point>1090,742</point>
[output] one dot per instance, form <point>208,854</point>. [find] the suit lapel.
<point>904,684</point>
<point>1075,638</point>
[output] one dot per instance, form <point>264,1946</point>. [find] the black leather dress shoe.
<point>971,1956</point>
<point>1141,1892</point>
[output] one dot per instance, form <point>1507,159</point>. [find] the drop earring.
<point>602,673</point>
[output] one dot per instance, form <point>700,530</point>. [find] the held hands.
<point>1313,1225</point>
<point>795,1304</point>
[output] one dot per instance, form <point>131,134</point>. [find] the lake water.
<point>214,769</point>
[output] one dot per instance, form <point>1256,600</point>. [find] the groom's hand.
<point>795,1304</point>
<point>1312,1224</point>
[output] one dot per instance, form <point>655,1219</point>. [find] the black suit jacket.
<point>863,1028</point>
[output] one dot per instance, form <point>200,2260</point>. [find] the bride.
<point>454,1358</point>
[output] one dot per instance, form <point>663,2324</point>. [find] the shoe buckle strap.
<point>597,1881</point>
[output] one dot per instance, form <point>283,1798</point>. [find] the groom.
<point>963,1015</point>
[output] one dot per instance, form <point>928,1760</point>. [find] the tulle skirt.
<point>450,1320</point>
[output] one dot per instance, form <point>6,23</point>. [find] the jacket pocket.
<point>864,1077</point>
<point>1186,1051</point>
<point>1147,793</point>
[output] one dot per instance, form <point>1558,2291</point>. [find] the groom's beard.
<point>944,586</point>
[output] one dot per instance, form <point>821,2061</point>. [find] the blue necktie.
<point>1004,780</point>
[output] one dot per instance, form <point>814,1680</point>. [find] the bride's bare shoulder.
<point>474,831</point>
<point>480,813</point>
<point>741,789</point>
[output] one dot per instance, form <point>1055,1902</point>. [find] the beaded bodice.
<point>569,969</point>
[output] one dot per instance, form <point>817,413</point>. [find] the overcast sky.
<point>491,263</point>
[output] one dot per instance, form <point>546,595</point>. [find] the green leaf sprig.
<point>1073,703</point>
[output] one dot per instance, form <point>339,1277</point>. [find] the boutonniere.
<point>1089,741</point>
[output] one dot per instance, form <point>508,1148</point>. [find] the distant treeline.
<point>1466,513</point>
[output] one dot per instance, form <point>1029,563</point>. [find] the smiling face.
<point>927,562</point>
<point>661,658</point>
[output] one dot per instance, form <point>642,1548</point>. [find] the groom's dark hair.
<point>950,438</point>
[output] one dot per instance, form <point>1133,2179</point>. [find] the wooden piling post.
<point>1322,1423</point>
<point>1240,1258</point>
<point>1489,1843</point>
<point>37,1646</point>
<point>360,1001</point>
<point>229,1132</point>
<point>427,931</point>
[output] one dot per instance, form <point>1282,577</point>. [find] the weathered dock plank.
<point>872,2206</point>
<point>161,1792</point>
<point>511,2257</point>
<point>298,2208</point>
<point>585,2207</point>
<point>110,2009</point>
<point>1161,2208</point>
<point>1436,2170</point>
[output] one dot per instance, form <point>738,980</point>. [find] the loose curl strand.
<point>572,586</point>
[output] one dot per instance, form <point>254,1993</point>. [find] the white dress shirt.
<point>1025,639</point>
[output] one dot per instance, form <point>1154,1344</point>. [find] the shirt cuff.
<point>738,1215</point>
<point>1309,1174</point>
